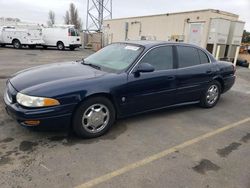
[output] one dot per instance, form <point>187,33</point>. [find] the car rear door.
<point>193,74</point>
<point>74,37</point>
<point>153,89</point>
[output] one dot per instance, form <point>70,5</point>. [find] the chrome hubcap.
<point>212,94</point>
<point>95,118</point>
<point>16,45</point>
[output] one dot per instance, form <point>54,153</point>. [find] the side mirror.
<point>144,67</point>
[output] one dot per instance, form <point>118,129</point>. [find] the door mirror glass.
<point>145,67</point>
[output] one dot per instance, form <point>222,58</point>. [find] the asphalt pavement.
<point>182,147</point>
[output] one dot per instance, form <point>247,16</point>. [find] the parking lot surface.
<point>183,147</point>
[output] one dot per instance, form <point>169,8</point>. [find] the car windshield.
<point>115,57</point>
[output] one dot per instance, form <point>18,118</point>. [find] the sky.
<point>37,10</point>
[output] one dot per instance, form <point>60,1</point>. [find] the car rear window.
<point>73,32</point>
<point>203,57</point>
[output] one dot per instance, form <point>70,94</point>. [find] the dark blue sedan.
<point>122,79</point>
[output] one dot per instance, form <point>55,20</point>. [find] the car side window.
<point>203,57</point>
<point>188,56</point>
<point>161,58</point>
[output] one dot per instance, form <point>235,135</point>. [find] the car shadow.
<point>68,138</point>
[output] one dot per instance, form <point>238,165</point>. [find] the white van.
<point>61,37</point>
<point>10,35</point>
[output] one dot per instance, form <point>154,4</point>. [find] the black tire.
<point>32,46</point>
<point>79,119</point>
<point>60,46</point>
<point>72,48</point>
<point>245,64</point>
<point>45,47</point>
<point>2,45</point>
<point>206,102</point>
<point>17,44</point>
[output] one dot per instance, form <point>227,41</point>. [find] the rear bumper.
<point>75,45</point>
<point>228,83</point>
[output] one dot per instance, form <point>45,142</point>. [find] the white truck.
<point>64,36</point>
<point>19,37</point>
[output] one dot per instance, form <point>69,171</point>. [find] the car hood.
<point>51,73</point>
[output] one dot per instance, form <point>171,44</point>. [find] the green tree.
<point>246,37</point>
<point>67,18</point>
<point>72,17</point>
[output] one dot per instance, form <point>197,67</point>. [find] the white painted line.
<point>157,156</point>
<point>45,167</point>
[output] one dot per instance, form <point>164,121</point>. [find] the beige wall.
<point>162,27</point>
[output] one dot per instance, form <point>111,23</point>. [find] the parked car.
<point>19,37</point>
<point>121,80</point>
<point>61,37</point>
<point>242,63</point>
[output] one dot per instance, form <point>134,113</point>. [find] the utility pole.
<point>97,11</point>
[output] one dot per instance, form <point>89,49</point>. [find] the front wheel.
<point>94,117</point>
<point>212,95</point>
<point>60,46</point>
<point>17,44</point>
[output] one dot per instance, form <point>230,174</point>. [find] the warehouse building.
<point>211,29</point>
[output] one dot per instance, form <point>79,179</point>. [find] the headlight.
<point>30,101</point>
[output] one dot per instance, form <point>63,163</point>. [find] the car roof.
<point>151,43</point>
<point>147,44</point>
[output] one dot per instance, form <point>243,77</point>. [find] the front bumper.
<point>57,117</point>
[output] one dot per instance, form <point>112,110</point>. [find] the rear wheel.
<point>2,45</point>
<point>94,117</point>
<point>17,44</point>
<point>212,95</point>
<point>60,46</point>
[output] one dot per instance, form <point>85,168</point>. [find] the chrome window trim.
<point>205,54</point>
<point>172,45</point>
<point>197,48</point>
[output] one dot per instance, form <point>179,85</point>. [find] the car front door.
<point>193,73</point>
<point>152,90</point>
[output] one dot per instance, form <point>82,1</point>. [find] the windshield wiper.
<point>91,65</point>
